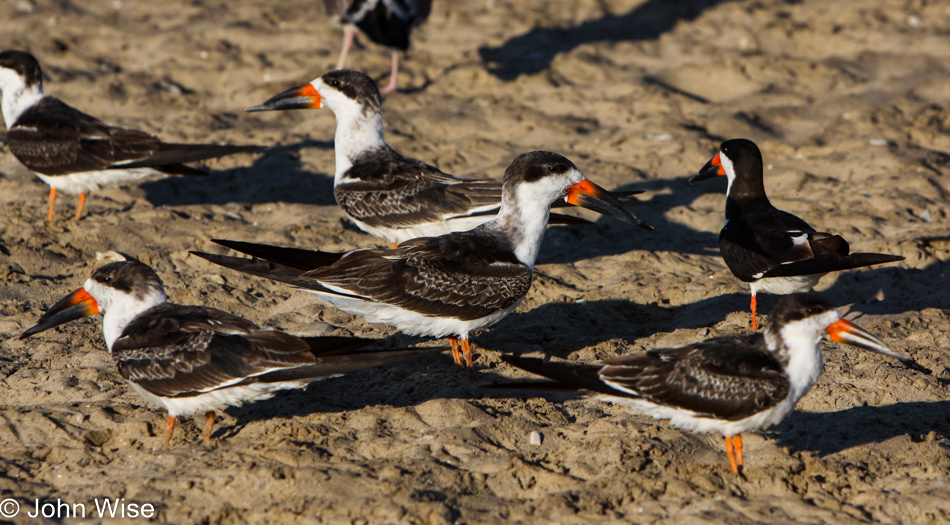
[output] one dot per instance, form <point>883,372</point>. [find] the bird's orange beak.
<point>591,196</point>
<point>74,306</point>
<point>709,170</point>
<point>301,97</point>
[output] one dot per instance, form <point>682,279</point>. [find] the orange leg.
<point>209,417</point>
<point>52,201</point>
<point>738,440</point>
<point>82,200</point>
<point>467,351</point>
<point>454,342</point>
<point>731,452</point>
<point>169,427</point>
<point>754,304</point>
<point>394,245</point>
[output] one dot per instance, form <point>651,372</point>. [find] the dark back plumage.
<point>386,22</point>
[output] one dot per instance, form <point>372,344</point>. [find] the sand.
<point>847,100</point>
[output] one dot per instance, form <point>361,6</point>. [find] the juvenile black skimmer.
<point>385,193</point>
<point>191,358</point>
<point>448,285</point>
<point>724,384</point>
<point>772,250</point>
<point>77,153</point>
<point>386,22</point>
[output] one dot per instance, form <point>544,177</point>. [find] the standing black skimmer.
<point>448,285</point>
<point>191,358</point>
<point>75,152</point>
<point>386,22</point>
<point>385,193</point>
<point>724,384</point>
<point>772,250</point>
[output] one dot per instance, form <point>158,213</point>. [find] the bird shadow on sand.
<point>564,328</point>
<point>904,289</point>
<point>533,52</point>
<point>827,433</point>
<point>397,386</point>
<point>277,176</point>
<point>608,236</point>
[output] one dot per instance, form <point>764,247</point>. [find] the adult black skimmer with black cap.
<point>448,285</point>
<point>77,153</point>
<point>195,358</point>
<point>724,384</point>
<point>386,22</point>
<point>383,192</point>
<point>772,250</point>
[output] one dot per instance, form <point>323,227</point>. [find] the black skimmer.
<point>191,358</point>
<point>448,285</point>
<point>387,22</point>
<point>772,250</point>
<point>77,153</point>
<point>383,192</point>
<point>724,384</point>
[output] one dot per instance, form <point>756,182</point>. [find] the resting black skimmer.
<point>772,250</point>
<point>191,358</point>
<point>77,153</point>
<point>385,193</point>
<point>387,22</point>
<point>448,285</point>
<point>724,384</point>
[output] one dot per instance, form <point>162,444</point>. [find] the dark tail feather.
<point>563,375</point>
<point>294,257</point>
<point>178,169</point>
<point>562,218</point>
<point>334,365</point>
<point>823,265</point>
<point>171,156</point>
<point>323,346</point>
<point>260,268</point>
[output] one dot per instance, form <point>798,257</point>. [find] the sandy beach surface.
<point>849,102</point>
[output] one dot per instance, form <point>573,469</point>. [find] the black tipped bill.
<point>849,333</point>
<point>588,195</point>
<point>301,97</point>
<point>711,169</point>
<point>74,306</point>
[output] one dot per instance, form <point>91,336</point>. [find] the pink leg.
<point>392,87</point>
<point>348,32</point>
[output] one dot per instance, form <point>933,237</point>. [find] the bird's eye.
<point>106,278</point>
<point>335,83</point>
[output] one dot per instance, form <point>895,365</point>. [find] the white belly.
<point>429,229</point>
<point>410,322</point>
<point>88,181</point>
<point>786,285</point>
<point>217,400</point>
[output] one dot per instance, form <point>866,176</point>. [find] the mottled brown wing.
<point>726,377</point>
<point>388,189</point>
<point>464,275</point>
<point>173,350</point>
<point>53,138</point>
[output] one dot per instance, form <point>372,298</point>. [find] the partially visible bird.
<point>196,358</point>
<point>384,192</point>
<point>772,250</point>
<point>441,286</point>
<point>724,384</point>
<point>386,22</point>
<point>77,153</point>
